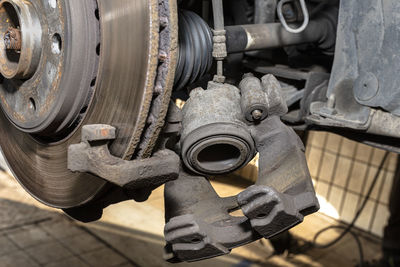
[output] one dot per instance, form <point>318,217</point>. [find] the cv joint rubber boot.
<point>215,139</point>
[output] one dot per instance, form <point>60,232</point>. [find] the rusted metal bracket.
<point>199,223</point>
<point>92,155</point>
<point>283,193</point>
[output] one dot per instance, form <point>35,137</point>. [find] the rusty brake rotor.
<point>89,62</point>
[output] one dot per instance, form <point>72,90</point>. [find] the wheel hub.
<point>22,34</point>
<point>86,73</point>
<point>31,56</point>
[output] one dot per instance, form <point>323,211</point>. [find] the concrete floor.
<point>131,234</point>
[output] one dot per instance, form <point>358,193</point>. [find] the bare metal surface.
<point>134,81</point>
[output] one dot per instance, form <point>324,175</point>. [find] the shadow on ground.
<point>130,234</point>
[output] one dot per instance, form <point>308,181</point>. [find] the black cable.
<point>347,229</point>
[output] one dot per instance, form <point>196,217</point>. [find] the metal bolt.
<point>12,39</point>
<point>257,114</point>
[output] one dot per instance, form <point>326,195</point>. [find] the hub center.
<point>12,39</point>
<point>22,37</point>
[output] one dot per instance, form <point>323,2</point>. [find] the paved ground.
<point>130,234</point>
<point>3,164</point>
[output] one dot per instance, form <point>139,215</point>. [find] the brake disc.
<point>81,62</point>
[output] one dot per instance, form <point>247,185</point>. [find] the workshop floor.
<point>131,234</point>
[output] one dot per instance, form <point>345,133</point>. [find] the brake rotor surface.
<point>121,92</point>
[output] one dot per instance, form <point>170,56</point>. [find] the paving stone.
<point>70,241</point>
<point>82,243</point>
<point>30,236</point>
<point>17,259</point>
<point>104,258</point>
<point>6,246</point>
<point>61,229</point>
<point>13,214</point>
<point>70,262</point>
<point>49,252</point>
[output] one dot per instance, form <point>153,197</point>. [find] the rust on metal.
<point>165,77</point>
<point>13,39</point>
<point>147,88</point>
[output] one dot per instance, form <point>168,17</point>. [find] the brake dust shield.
<point>105,68</point>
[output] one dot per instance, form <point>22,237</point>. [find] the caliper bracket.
<point>92,155</point>
<point>199,223</point>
